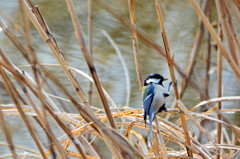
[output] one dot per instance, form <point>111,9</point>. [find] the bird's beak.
<point>165,79</point>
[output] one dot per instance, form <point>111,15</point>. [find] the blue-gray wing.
<point>149,94</point>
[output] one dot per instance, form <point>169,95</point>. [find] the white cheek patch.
<point>154,80</point>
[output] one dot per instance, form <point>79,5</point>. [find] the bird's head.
<point>154,78</point>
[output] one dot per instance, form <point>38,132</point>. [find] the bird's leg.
<point>169,86</point>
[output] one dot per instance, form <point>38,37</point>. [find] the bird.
<point>153,96</point>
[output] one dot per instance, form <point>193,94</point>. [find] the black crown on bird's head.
<point>154,78</point>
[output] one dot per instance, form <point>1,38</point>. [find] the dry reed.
<point>135,42</point>
<point>120,128</point>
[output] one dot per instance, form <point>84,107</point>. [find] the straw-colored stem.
<point>208,54</point>
<point>235,12</point>
<point>171,70</point>
<point>227,28</point>
<point>194,53</point>
<point>39,23</point>
<point>214,35</point>
<point>128,91</point>
<point>24,51</point>
<point>11,21</point>
<point>237,4</point>
<point>41,96</point>
<point>30,128</point>
<point>233,9</point>
<point>7,134</point>
<point>219,82</point>
<point>161,141</point>
<point>15,40</point>
<point>90,44</point>
<point>146,40</point>
<point>201,129</point>
<point>208,64</point>
<point>43,122</point>
<point>118,145</point>
<point>21,76</point>
<point>81,42</point>
<point>192,60</point>
<point>31,52</point>
<point>25,24</point>
<point>135,42</point>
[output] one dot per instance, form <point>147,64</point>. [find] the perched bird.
<point>153,98</point>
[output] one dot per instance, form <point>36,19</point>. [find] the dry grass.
<point>121,129</point>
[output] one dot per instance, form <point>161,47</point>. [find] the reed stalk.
<point>171,70</point>
<point>40,109</point>
<point>227,28</point>
<point>194,53</point>
<point>46,103</point>
<point>160,144</point>
<point>118,145</point>
<point>207,69</point>
<point>9,87</point>
<point>81,42</point>
<point>7,133</point>
<point>146,40</point>
<point>124,65</point>
<point>25,53</point>
<point>34,15</point>
<point>90,44</point>
<point>224,51</point>
<point>135,42</point>
<point>219,78</point>
<point>237,4</point>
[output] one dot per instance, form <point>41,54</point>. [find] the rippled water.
<point>181,25</point>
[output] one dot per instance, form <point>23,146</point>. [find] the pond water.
<point>181,25</point>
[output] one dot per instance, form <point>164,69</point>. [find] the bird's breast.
<point>158,99</point>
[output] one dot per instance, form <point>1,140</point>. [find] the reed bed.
<point>121,129</point>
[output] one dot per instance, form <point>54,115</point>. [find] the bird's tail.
<point>151,117</point>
